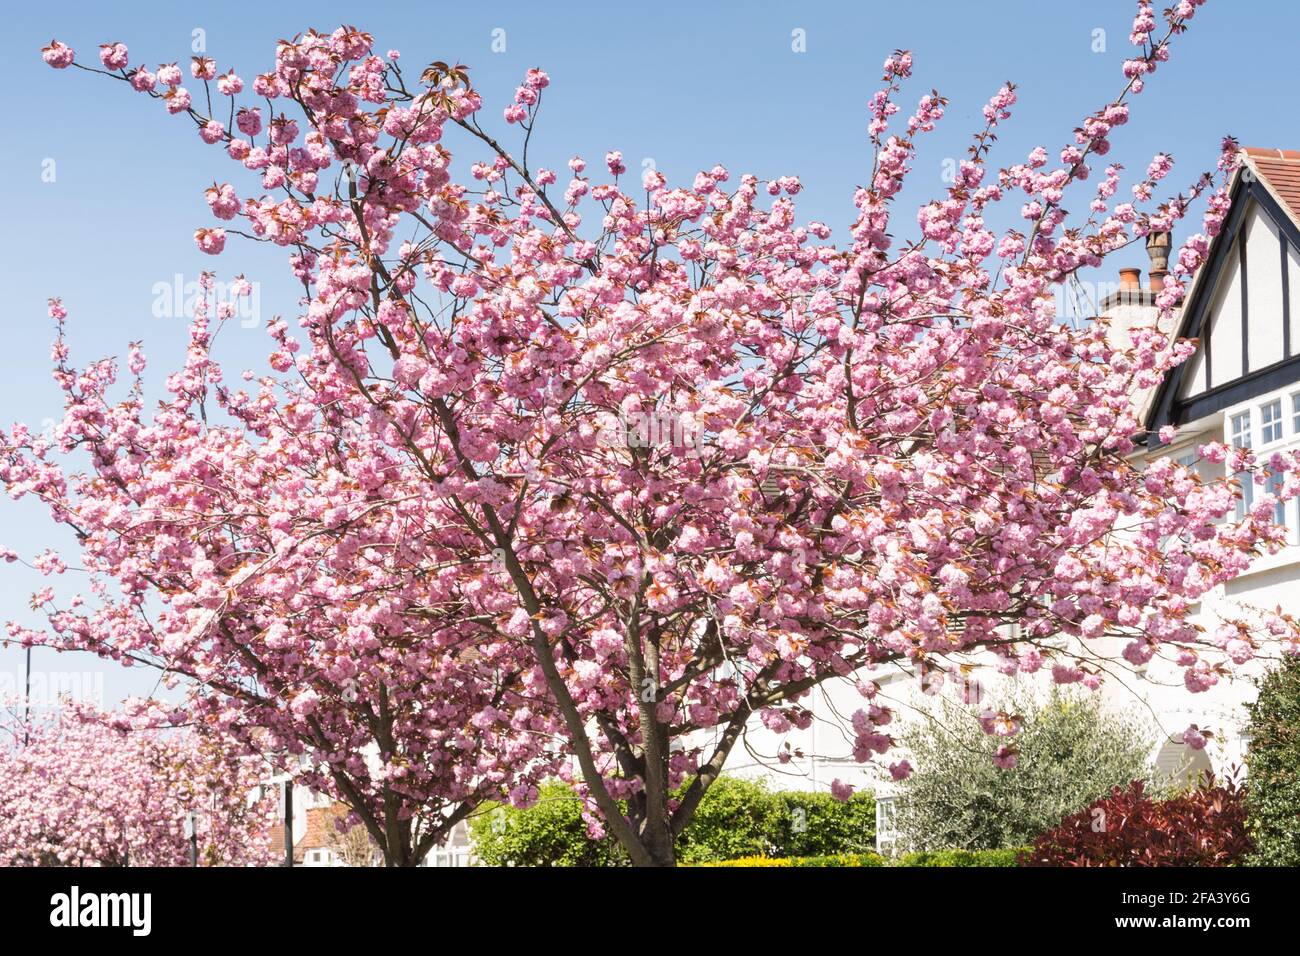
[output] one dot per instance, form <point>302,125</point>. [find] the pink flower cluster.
<point>79,787</point>
<point>579,479</point>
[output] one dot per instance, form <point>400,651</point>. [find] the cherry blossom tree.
<point>85,788</point>
<point>293,598</point>
<point>625,466</point>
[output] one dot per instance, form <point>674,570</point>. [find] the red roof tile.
<point>1279,169</point>
<point>320,832</point>
<point>277,840</point>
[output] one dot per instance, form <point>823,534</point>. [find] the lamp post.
<point>286,799</point>
<point>286,811</point>
<point>192,834</point>
<point>27,699</point>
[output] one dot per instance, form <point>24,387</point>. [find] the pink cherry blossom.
<point>211,241</point>
<point>58,55</point>
<point>80,787</point>
<point>582,481</point>
<point>1006,757</point>
<point>114,56</point>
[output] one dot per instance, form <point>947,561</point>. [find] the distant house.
<point>317,840</point>
<point>457,851</point>
<point>1243,386</point>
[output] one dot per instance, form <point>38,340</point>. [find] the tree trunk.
<point>658,843</point>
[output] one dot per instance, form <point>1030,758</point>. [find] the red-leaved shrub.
<point>1203,827</point>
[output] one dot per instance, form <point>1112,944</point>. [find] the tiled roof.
<point>277,840</point>
<point>320,831</point>
<point>1279,170</point>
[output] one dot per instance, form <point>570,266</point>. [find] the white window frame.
<point>1283,434</point>
<point>886,823</point>
<point>1271,422</point>
<point>1243,438</point>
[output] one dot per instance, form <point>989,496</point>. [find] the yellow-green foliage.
<point>930,858</point>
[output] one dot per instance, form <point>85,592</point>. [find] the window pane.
<point>1241,430</point>
<point>1247,493</point>
<point>1191,461</point>
<point>1274,487</point>
<point>1241,439</point>
<point>1270,421</point>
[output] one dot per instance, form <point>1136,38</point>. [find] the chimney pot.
<point>1158,244</point>
<point>1130,280</point>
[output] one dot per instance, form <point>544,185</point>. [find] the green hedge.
<point>549,833</point>
<point>742,818</point>
<point>1273,765</point>
<point>960,858</point>
<point>840,859</point>
<point>939,858</point>
<point>737,818</point>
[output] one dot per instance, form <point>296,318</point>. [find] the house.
<point>1242,385</point>
<point>317,840</point>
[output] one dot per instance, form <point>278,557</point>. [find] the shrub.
<point>1070,753</point>
<point>1273,762</point>
<point>1205,826</point>
<point>960,858</point>
<point>737,818</point>
<point>927,858</point>
<point>764,861</point>
<point>549,833</point>
<point>839,859</point>
<point>817,825</point>
<point>743,818</point>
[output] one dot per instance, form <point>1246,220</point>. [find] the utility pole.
<point>287,800</point>
<point>192,834</point>
<point>27,699</point>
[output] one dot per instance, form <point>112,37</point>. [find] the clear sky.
<point>686,84</point>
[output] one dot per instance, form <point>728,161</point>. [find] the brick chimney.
<point>1131,306</point>
<point>1131,292</point>
<point>1158,244</point>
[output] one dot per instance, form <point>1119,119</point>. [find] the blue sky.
<point>687,84</point>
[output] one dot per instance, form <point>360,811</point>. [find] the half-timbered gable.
<point>1244,309</point>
